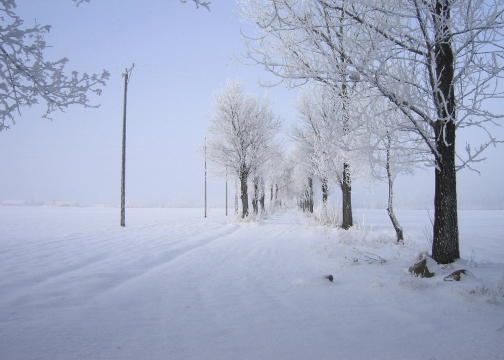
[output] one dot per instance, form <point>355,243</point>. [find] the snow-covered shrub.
<point>493,292</point>
<point>327,215</point>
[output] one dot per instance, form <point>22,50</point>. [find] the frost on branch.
<point>437,62</point>
<point>330,136</point>
<point>241,138</point>
<point>26,77</point>
<point>198,3</point>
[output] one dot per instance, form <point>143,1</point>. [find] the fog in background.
<point>182,57</point>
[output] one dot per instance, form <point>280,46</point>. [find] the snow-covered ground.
<point>173,285</point>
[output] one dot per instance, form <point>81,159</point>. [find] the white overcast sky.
<point>182,57</point>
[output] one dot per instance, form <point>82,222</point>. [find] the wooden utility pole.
<point>126,75</point>
<point>205,180</point>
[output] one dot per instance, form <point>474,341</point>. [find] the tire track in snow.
<point>78,282</point>
<point>41,278</point>
<point>167,257</point>
<point>249,279</point>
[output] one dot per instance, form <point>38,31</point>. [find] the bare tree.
<point>315,155</point>
<point>330,143</point>
<point>272,172</point>
<point>303,180</point>
<point>28,78</point>
<point>392,150</point>
<point>241,135</point>
<point>437,61</point>
<point>288,47</point>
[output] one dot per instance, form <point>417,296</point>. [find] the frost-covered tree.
<point>438,62</point>
<point>259,192</point>
<point>314,153</point>
<point>27,77</point>
<point>392,149</point>
<point>290,52</point>
<point>242,135</point>
<point>272,172</point>
<point>330,134</point>
<point>286,189</point>
<point>303,177</point>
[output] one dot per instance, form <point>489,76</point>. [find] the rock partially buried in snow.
<point>329,277</point>
<point>455,276</point>
<point>420,269</point>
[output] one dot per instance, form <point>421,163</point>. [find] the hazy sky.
<point>182,57</point>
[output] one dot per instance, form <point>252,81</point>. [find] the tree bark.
<point>346,182</point>
<point>244,194</point>
<point>262,194</point>
<point>325,191</point>
<point>310,195</point>
<point>445,243</point>
<point>236,198</point>
<point>255,197</point>
<point>390,205</point>
<point>346,189</point>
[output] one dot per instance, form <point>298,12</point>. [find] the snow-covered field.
<point>173,285</point>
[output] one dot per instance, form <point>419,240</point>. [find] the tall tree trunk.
<point>346,183</point>
<point>390,205</point>
<point>262,194</point>
<point>310,194</point>
<point>445,244</point>
<point>255,197</point>
<point>226,193</point>
<point>304,200</point>
<point>346,190</point>
<point>325,191</point>
<point>244,194</point>
<point>236,198</point>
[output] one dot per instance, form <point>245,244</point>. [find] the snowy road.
<point>175,286</point>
